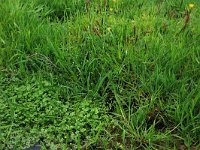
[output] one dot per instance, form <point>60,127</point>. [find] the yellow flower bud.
<point>191,6</point>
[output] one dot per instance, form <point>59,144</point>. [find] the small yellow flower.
<point>111,9</point>
<point>109,29</point>
<point>191,6</point>
<point>133,21</point>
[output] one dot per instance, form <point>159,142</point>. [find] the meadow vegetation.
<point>100,74</point>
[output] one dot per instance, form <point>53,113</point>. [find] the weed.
<point>107,74</point>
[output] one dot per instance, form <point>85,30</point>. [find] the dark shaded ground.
<point>35,147</point>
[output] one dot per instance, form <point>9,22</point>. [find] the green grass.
<point>90,75</point>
